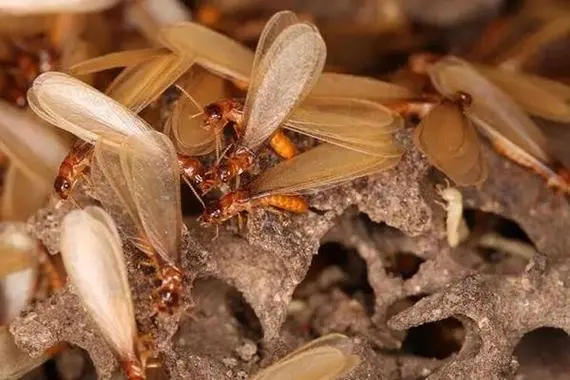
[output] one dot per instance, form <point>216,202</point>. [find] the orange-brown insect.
<point>280,186</point>
<point>80,109</point>
<point>139,182</point>
<point>289,58</point>
<point>449,140</point>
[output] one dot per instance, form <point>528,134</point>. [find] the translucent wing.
<point>212,50</point>
<point>117,59</point>
<point>536,95</point>
<point>276,24</point>
<point>29,7</point>
<point>153,176</point>
<point>111,189</point>
<point>452,145</point>
<point>21,195</point>
<point>352,86</point>
<point>492,110</point>
<point>286,74</point>
<point>323,166</point>
<point>93,258</point>
<point>80,109</point>
<point>326,358</point>
<point>351,123</point>
<point>19,269</point>
<point>137,86</point>
<point>187,131</point>
<point>35,148</point>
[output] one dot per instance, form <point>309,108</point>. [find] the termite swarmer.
<point>93,256</point>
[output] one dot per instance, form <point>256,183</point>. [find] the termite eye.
<point>225,175</point>
<point>213,112</point>
<point>169,299</point>
<point>62,185</point>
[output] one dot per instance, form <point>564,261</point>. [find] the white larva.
<point>457,230</point>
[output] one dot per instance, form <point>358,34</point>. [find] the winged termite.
<point>450,141</point>
<point>326,358</point>
<point>285,72</point>
<point>188,43</point>
<point>144,178</point>
<point>93,256</point>
<point>538,96</point>
<point>323,166</point>
<point>510,130</point>
<point>30,7</point>
<point>90,115</point>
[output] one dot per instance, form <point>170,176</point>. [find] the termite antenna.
<point>194,191</point>
<point>191,98</point>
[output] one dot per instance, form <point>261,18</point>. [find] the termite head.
<point>212,214</point>
<point>464,99</point>
<point>191,168</point>
<point>168,300</point>
<point>213,114</point>
<point>63,186</point>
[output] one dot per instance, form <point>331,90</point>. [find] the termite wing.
<point>35,151</point>
<point>507,126</point>
<point>326,358</point>
<point>138,181</point>
<point>321,167</point>
<point>30,7</point>
<point>451,143</point>
<point>93,257</point>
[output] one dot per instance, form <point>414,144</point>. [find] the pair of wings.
<point>326,358</point>
<point>285,67</point>
<point>500,99</point>
<point>138,163</point>
<point>93,257</point>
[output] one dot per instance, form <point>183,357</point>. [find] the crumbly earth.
<point>254,296</point>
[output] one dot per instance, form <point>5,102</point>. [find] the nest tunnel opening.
<point>544,353</point>
<point>435,340</point>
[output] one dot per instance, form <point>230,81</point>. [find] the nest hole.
<point>221,319</point>
<point>336,265</point>
<point>544,353</point>
<point>404,265</point>
<point>500,245</point>
<point>435,340</point>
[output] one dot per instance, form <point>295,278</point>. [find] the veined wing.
<point>450,141</point>
<point>323,166</point>
<point>30,7</point>
<point>492,110</point>
<point>35,148</point>
<point>187,131</point>
<point>153,175</point>
<point>326,358</point>
<point>118,59</point>
<point>351,123</point>
<point>93,257</point>
<point>274,26</point>
<point>137,86</point>
<point>538,96</point>
<point>212,50</point>
<point>284,76</point>
<point>358,87</point>
<point>80,109</point>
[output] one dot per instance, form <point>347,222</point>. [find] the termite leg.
<point>412,109</point>
<point>133,369</point>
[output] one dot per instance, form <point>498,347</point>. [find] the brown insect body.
<point>237,163</point>
<point>238,201</point>
<point>74,164</point>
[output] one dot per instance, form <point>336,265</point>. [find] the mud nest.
<point>370,261</point>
